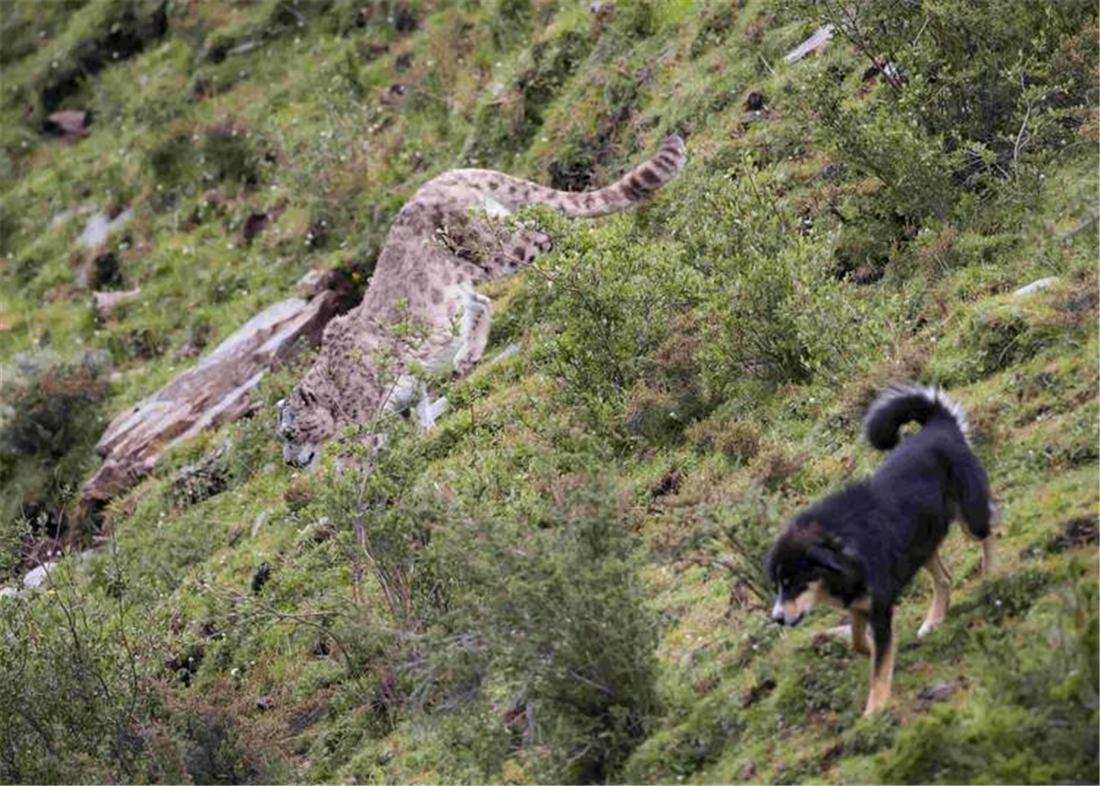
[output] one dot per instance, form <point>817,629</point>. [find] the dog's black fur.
<point>865,543</point>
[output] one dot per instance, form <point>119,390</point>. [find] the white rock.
<point>508,352</point>
<point>259,521</point>
<point>819,39</point>
<point>428,411</point>
<point>216,390</point>
<point>1036,286</point>
<point>34,578</point>
<point>99,227</point>
<point>105,303</point>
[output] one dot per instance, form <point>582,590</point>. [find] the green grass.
<point>559,582</point>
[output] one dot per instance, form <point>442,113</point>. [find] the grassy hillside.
<point>561,582</point>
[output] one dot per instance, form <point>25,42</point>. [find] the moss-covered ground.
<point>562,581</point>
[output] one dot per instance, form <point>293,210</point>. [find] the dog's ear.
<point>847,572</point>
<point>828,554</point>
<point>769,564</point>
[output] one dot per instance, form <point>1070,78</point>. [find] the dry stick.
<point>1020,136</point>
<point>591,683</point>
<point>850,28</point>
<point>300,619</point>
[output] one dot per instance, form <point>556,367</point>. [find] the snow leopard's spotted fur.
<point>421,309</point>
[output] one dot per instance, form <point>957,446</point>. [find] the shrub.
<point>50,416</point>
<point>47,401</point>
<point>505,123</point>
<point>738,536</point>
<point>770,312</point>
<point>615,303</point>
<point>560,609</point>
<point>716,23</point>
<point>1034,718</point>
<point>738,440</point>
<point>998,333</point>
<point>229,154</point>
<point>70,689</point>
<point>548,615</point>
<point>979,95</point>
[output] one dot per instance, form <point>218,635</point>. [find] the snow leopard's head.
<point>305,422</point>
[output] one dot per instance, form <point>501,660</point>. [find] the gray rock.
<point>814,43</point>
<point>258,522</point>
<point>314,281</point>
<point>936,692</point>
<point>216,390</point>
<point>35,577</point>
<point>100,227</point>
<point>1036,286</point>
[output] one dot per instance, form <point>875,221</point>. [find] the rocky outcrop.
<point>218,389</point>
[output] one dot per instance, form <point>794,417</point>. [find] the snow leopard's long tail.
<point>627,191</point>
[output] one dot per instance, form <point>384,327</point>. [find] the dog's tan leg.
<point>882,663</point>
<point>941,594</point>
<point>861,641</point>
<point>987,555</point>
<point>855,631</point>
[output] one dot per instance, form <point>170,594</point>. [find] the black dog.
<point>860,547</point>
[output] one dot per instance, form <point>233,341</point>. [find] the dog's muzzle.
<point>779,616</point>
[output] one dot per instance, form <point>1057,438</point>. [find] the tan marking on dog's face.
<point>792,610</point>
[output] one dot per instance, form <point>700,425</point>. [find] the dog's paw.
<point>927,627</point>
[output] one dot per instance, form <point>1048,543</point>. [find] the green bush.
<point>48,402</point>
<point>560,610</point>
<point>96,35</point>
<point>476,606</point>
<point>981,94</point>
<point>71,689</point>
<point>1034,719</point>
<point>50,416</point>
<point>613,302</point>
<point>739,536</point>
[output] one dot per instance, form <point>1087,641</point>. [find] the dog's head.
<point>808,565</point>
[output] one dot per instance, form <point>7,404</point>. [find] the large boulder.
<point>216,390</point>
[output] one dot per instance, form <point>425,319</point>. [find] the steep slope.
<point>562,582</point>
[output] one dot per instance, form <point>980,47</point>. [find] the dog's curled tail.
<point>900,404</point>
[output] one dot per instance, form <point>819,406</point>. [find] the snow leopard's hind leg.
<point>475,337</point>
